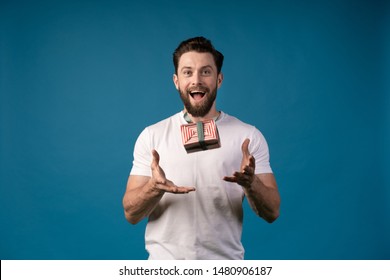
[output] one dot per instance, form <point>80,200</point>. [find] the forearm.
<point>139,202</point>
<point>263,199</point>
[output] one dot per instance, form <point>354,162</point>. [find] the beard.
<point>201,108</point>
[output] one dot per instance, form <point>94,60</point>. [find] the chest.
<point>206,165</point>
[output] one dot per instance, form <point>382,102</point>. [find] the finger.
<point>157,173</point>
<point>252,162</point>
<point>246,174</point>
<point>248,170</point>
<point>156,157</point>
<point>230,179</point>
<point>155,160</point>
<point>176,189</point>
<point>237,178</point>
<point>243,175</point>
<point>184,189</point>
<point>245,147</point>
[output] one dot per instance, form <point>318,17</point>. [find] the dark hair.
<point>197,44</point>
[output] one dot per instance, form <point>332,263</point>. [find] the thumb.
<point>245,147</point>
<point>156,158</point>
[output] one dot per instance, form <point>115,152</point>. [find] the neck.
<point>212,114</point>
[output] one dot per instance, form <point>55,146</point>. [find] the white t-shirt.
<point>206,223</point>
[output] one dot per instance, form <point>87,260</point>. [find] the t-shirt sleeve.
<point>142,155</point>
<point>258,147</point>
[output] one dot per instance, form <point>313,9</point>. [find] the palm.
<point>157,172</point>
<point>247,159</point>
<point>162,183</point>
<point>245,176</point>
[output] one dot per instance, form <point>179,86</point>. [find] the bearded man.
<point>193,199</point>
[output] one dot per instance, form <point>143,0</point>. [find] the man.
<point>193,201</point>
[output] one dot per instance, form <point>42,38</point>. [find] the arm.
<point>143,193</point>
<point>260,189</point>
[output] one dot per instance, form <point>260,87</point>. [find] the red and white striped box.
<point>190,138</point>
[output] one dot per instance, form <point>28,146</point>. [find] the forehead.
<point>196,60</point>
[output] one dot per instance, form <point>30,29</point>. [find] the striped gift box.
<point>200,136</point>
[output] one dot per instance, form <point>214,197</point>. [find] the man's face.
<point>197,81</point>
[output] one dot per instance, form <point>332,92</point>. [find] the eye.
<point>206,72</point>
<point>187,72</point>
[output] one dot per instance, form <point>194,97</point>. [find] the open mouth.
<point>198,92</point>
<point>197,95</point>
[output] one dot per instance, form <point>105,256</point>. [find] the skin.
<point>198,70</point>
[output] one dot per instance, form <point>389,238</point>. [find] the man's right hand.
<point>144,192</point>
<point>160,182</point>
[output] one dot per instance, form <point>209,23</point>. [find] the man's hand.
<point>160,182</point>
<point>260,190</point>
<point>246,176</point>
<point>143,192</point>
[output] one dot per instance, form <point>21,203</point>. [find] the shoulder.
<point>233,128</point>
<point>164,125</point>
<point>235,123</point>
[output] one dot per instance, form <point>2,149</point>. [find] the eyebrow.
<point>189,67</point>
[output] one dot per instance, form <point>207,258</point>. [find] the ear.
<point>176,81</point>
<point>219,79</point>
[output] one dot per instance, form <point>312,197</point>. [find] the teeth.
<point>197,92</point>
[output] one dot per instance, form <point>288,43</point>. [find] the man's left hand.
<point>246,176</point>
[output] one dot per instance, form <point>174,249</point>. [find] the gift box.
<point>200,136</point>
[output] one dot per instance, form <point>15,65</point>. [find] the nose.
<point>196,79</point>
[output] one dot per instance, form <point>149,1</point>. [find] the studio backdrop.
<point>79,80</point>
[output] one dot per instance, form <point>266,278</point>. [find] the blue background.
<point>79,80</point>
